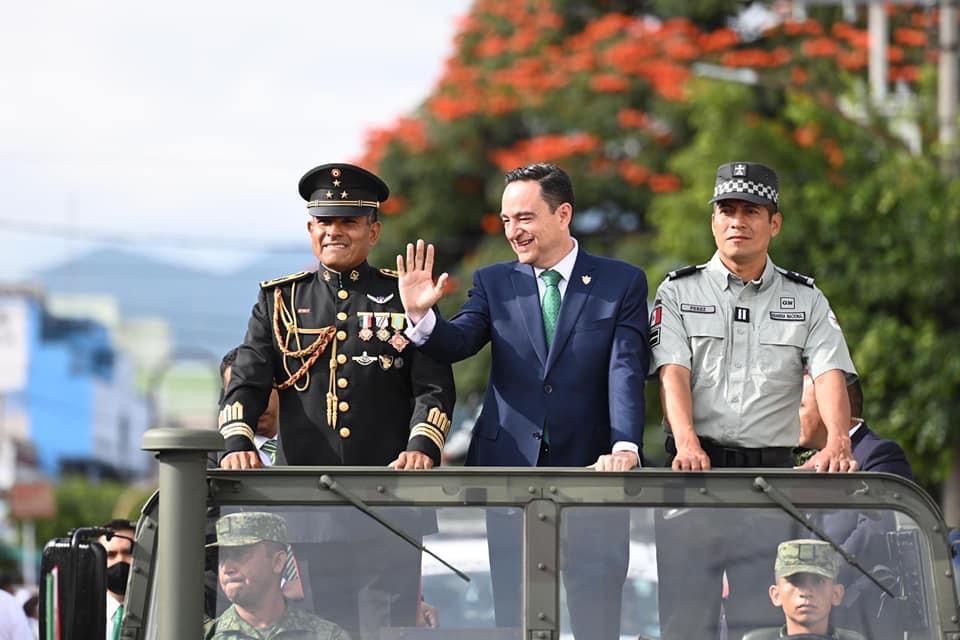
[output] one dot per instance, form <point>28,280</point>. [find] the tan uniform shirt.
<point>746,345</point>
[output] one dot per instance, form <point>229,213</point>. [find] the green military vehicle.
<point>903,587</point>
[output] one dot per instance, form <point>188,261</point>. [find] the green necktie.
<point>270,448</point>
<point>117,618</point>
<point>551,303</point>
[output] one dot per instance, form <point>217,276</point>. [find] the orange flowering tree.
<point>623,95</point>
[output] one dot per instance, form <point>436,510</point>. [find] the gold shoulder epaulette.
<point>390,273</point>
<point>266,284</point>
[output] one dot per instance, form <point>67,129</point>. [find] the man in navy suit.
<point>871,452</point>
<point>569,335</point>
<point>864,534</point>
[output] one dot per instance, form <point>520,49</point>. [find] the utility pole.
<point>947,94</point>
<point>878,68</point>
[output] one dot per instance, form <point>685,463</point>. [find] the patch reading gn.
<point>788,303</point>
<point>789,316</point>
<point>698,308</point>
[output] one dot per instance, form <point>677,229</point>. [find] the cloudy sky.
<point>188,124</point>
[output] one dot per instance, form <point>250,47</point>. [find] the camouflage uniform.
<point>246,528</point>
<point>294,624</point>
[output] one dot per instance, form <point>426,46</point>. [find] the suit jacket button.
<point>341,336</point>
<point>342,359</point>
<point>344,432</point>
<point>344,407</point>
<point>342,294</point>
<point>547,388</point>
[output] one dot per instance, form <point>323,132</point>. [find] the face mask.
<point>117,577</point>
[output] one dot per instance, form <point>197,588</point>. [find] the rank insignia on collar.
<point>381,299</point>
<point>354,275</point>
<point>386,362</point>
<point>398,363</point>
<point>585,279</point>
<point>326,276</point>
<point>364,359</point>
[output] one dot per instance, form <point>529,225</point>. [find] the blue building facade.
<point>79,404</point>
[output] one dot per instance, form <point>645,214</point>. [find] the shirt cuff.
<point>624,445</point>
<point>420,332</point>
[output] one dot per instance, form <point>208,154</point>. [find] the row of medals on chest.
<point>383,321</point>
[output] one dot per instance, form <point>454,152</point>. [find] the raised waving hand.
<point>418,291</point>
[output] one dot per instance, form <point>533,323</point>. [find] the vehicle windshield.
<point>735,566</point>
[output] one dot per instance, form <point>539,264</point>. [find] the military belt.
<point>722,455</point>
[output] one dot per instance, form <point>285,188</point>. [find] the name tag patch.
<point>789,316</point>
<point>698,308</point>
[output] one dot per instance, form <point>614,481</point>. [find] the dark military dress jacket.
<point>353,389</point>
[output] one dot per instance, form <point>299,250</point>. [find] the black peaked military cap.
<point>341,190</point>
<point>748,181</point>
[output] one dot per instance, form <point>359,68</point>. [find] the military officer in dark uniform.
<point>353,391</point>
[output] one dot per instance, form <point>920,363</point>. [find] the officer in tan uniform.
<point>353,391</point>
<point>729,341</point>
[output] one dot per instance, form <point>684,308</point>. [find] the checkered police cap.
<point>748,181</point>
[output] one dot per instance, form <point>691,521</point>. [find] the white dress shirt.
<point>258,441</point>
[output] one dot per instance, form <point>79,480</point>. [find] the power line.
<point>150,239</point>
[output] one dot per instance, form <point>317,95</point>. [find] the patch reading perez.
<point>789,316</point>
<point>698,308</point>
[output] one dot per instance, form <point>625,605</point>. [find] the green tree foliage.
<point>617,93</point>
<point>82,503</point>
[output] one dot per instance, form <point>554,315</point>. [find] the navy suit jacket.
<point>864,534</point>
<point>587,391</point>
<point>874,453</point>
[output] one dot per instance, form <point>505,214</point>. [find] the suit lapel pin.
<point>586,279</point>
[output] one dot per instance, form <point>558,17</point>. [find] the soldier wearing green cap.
<point>806,589</point>
<point>252,548</point>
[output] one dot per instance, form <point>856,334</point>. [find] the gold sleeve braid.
<point>282,317</point>
<point>231,422</point>
<point>435,427</point>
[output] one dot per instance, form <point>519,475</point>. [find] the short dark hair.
<point>119,523</point>
<point>855,391</point>
<point>228,359</point>
<point>554,182</point>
